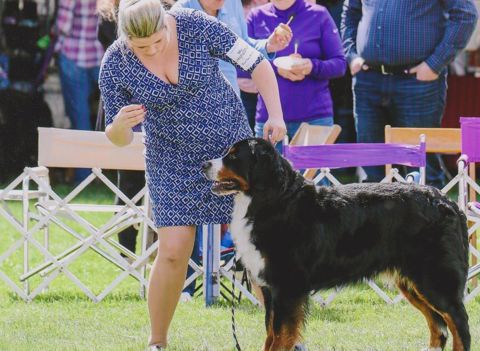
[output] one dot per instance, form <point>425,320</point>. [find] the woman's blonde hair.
<point>140,18</point>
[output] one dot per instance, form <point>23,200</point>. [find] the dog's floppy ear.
<point>268,168</point>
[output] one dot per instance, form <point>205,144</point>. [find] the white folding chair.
<point>85,149</point>
<point>78,149</point>
<point>18,224</point>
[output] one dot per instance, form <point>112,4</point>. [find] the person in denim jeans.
<point>398,52</point>
<point>79,58</point>
<point>401,102</point>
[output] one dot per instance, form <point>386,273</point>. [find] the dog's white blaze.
<point>217,165</point>
<point>241,234</point>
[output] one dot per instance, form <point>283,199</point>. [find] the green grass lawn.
<point>63,318</point>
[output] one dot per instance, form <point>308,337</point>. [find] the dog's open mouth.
<point>225,186</point>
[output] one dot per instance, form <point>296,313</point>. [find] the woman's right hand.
<point>129,116</point>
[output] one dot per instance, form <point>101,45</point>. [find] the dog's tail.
<point>450,211</point>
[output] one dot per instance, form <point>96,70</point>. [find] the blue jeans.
<point>401,101</point>
<point>78,84</point>
<point>292,128</point>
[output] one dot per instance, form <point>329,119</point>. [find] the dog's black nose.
<point>206,165</point>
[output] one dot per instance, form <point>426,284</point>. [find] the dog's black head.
<point>251,165</point>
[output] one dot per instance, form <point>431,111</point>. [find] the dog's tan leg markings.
<point>289,333</point>
<point>438,337</point>
<point>457,341</point>
<point>286,339</point>
<point>269,340</point>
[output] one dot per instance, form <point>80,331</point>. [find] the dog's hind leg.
<point>453,312</point>
<point>436,324</point>
<point>267,298</point>
<point>449,305</point>
<point>288,321</point>
<point>457,321</point>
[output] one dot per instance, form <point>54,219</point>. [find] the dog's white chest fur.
<point>241,234</point>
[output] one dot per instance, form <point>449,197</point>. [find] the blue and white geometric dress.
<point>196,120</point>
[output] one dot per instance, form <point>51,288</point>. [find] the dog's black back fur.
<point>343,234</point>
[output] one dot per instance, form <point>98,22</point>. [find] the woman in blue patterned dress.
<point>168,64</point>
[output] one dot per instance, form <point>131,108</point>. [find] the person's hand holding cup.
<point>301,66</point>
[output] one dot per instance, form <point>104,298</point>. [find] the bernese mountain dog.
<point>295,238</point>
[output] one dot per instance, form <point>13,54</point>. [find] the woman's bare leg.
<point>167,278</point>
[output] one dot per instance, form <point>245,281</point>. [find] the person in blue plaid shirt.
<point>398,52</point>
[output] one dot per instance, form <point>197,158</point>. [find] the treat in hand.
<point>283,29</point>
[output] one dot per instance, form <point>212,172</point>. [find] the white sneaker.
<point>185,297</point>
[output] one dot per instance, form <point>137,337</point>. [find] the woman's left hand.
<point>274,129</point>
<point>303,66</point>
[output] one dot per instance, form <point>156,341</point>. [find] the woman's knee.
<point>173,255</point>
<point>176,247</point>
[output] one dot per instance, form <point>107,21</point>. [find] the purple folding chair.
<point>470,129</point>
<point>326,157</point>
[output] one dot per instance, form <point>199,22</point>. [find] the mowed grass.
<point>63,318</point>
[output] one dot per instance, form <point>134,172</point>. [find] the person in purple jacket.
<point>304,91</point>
